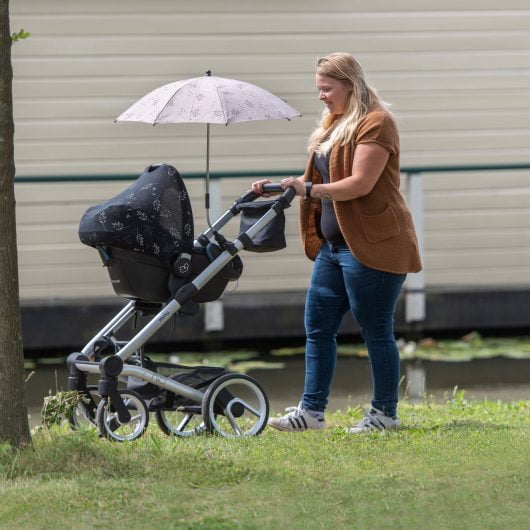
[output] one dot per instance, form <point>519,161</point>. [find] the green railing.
<point>259,174</point>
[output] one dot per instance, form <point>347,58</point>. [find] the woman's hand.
<point>257,187</point>
<point>294,182</point>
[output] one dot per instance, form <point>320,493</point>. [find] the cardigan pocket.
<point>381,226</point>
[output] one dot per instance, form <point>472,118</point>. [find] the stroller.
<point>145,239</point>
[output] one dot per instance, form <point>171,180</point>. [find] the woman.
<point>356,227</point>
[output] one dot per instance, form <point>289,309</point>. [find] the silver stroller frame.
<point>233,405</point>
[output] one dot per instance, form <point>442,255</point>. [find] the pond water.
<point>493,379</point>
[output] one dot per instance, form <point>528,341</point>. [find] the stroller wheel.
<point>179,423</point>
<point>235,405</point>
<point>84,413</point>
<point>109,423</point>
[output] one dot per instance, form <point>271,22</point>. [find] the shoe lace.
<point>294,412</point>
<point>365,421</point>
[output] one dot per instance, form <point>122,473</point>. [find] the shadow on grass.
<point>459,425</point>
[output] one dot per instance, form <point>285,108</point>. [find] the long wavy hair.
<point>363,98</point>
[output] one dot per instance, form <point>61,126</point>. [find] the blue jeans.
<point>340,283</point>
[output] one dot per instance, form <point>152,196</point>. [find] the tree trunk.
<point>14,426</point>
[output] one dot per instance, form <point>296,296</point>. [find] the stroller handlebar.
<point>274,187</point>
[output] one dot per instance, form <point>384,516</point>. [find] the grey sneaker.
<point>374,420</point>
<point>298,419</point>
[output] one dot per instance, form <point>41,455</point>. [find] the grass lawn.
<point>455,465</point>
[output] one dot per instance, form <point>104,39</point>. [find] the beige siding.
<point>457,73</point>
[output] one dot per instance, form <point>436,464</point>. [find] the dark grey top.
<point>328,222</point>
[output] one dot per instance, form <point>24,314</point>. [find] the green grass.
<point>455,465</point>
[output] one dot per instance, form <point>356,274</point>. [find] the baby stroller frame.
<point>231,405</point>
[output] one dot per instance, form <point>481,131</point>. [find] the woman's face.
<point>333,93</point>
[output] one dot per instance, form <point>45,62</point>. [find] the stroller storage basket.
<point>198,377</point>
<point>272,237</point>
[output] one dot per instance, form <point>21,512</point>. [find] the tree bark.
<point>14,427</point>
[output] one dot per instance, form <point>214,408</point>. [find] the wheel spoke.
<point>233,422</point>
<point>179,423</point>
<point>184,422</point>
<point>251,409</point>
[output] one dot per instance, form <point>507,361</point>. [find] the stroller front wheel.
<point>235,405</point>
<point>108,421</point>
<point>84,413</point>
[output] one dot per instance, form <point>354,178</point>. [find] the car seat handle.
<point>182,265</point>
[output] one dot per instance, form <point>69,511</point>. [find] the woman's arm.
<point>368,163</point>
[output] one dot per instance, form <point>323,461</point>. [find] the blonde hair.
<point>362,99</point>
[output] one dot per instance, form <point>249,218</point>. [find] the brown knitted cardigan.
<point>377,227</point>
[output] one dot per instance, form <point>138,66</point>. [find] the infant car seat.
<point>143,232</point>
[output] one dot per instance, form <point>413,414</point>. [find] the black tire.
<point>109,425</point>
<point>234,397</point>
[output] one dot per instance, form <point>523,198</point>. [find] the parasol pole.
<point>207,191</point>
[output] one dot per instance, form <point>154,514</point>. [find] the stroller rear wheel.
<point>109,424</point>
<point>235,405</point>
<point>180,422</point>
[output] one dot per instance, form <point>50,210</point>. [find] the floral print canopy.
<point>208,99</point>
<point>153,216</point>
